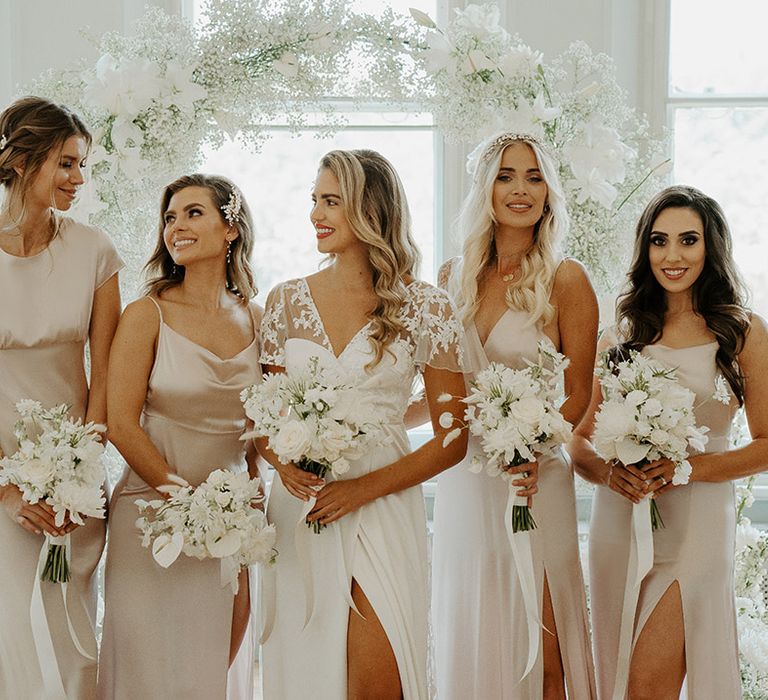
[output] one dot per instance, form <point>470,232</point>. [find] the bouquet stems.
<point>56,568</point>
<point>318,469</point>
<point>522,518</point>
<point>656,522</point>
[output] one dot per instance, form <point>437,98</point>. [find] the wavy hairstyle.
<point>718,295</point>
<point>160,270</point>
<point>477,226</point>
<point>30,129</point>
<point>377,210</point>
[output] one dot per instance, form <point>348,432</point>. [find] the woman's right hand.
<point>35,518</point>
<point>627,481</point>
<point>299,483</point>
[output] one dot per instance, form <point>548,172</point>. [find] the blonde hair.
<point>377,210</point>
<point>30,129</point>
<point>162,273</point>
<point>477,225</point>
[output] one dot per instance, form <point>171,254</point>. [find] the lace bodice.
<point>432,332</point>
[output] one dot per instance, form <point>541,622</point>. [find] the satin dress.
<point>47,301</point>
<point>306,597</point>
<point>695,548</point>
<point>167,631</point>
<point>478,611</point>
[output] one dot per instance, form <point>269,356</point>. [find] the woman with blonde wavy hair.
<point>345,610</point>
<point>513,289</point>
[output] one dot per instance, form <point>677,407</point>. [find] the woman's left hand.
<point>336,499</point>
<point>659,476</point>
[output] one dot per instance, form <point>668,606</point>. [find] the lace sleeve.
<point>438,336</point>
<point>274,329</point>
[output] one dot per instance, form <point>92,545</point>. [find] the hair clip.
<point>232,208</point>
<point>3,141</point>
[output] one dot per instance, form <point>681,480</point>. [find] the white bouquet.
<point>219,519</point>
<point>515,414</point>
<point>646,415</point>
<point>314,419</point>
<point>58,462</point>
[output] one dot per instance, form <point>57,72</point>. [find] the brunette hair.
<point>377,210</point>
<point>718,293</point>
<point>30,129</point>
<point>162,273</point>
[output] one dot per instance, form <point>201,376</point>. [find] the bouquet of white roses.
<point>219,519</point>
<point>646,415</point>
<point>314,419</point>
<point>515,414</point>
<point>58,462</point>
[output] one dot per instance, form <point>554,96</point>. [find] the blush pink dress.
<point>46,312</point>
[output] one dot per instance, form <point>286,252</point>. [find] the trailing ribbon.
<point>53,687</point>
<point>520,543</point>
<point>640,563</point>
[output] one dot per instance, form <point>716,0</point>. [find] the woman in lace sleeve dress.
<point>345,610</point>
<point>59,291</point>
<point>683,307</point>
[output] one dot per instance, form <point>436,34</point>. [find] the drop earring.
<point>229,252</point>
<point>173,271</point>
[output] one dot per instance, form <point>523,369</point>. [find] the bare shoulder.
<point>755,351</point>
<point>571,274</point>
<point>141,318</point>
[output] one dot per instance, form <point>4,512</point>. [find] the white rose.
<point>528,410</point>
<point>334,438</point>
<point>340,466</point>
<point>292,441</point>
<point>38,472</point>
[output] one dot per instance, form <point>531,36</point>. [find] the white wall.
<point>36,35</point>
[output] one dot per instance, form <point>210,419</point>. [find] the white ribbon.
<point>640,563</point>
<point>520,543</point>
<point>229,573</point>
<point>53,687</point>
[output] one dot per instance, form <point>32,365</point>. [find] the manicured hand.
<point>35,518</point>
<point>337,499</point>
<point>299,483</point>
<point>659,475</point>
<point>529,479</point>
<point>628,481</point>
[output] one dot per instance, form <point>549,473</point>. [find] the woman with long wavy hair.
<point>59,291</point>
<point>513,290</point>
<point>684,306</point>
<point>182,355</point>
<point>345,610</point>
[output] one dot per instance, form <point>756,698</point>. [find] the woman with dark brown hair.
<point>683,307</point>
<point>59,291</point>
<point>182,355</point>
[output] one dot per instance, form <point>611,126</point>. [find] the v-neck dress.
<point>478,613</point>
<point>167,631</point>
<point>382,545</point>
<point>47,301</point>
<point>695,549</point>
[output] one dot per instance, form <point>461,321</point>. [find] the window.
<point>717,108</point>
<point>277,181</point>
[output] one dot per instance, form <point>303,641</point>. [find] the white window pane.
<point>718,48</point>
<point>724,153</point>
<point>277,183</point>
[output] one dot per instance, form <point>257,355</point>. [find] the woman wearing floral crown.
<point>345,610</point>
<point>514,290</point>
<point>181,357</point>
<point>683,307</point>
<point>58,282</point>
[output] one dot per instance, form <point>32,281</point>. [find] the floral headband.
<point>485,150</point>
<point>231,209</point>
